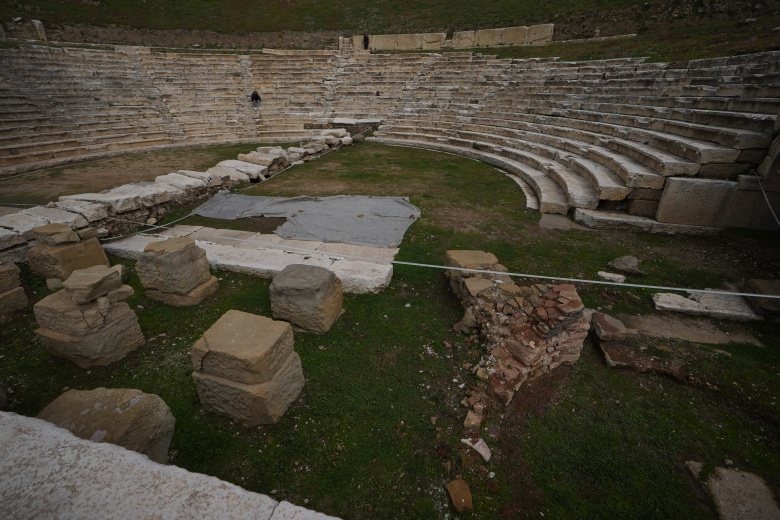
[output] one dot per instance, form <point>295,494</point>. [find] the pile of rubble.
<point>526,331</point>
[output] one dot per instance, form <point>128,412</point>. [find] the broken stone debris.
<point>245,368</point>
<point>307,296</point>
<point>89,332</point>
<point>126,417</point>
<point>528,330</point>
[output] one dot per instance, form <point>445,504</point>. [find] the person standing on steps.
<point>255,97</point>
<point>365,41</point>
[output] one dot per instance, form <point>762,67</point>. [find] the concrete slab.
<point>676,327</point>
<point>726,306</point>
<point>379,255</point>
<point>242,252</point>
<point>50,473</point>
<point>21,223</point>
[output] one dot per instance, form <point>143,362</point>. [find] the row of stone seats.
<point>593,156</point>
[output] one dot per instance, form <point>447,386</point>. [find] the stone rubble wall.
<point>128,208</point>
<point>526,331</point>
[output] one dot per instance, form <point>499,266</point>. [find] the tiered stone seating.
<point>294,87</point>
<point>63,102</point>
<point>602,134</point>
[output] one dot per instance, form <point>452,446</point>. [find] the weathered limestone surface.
<point>50,473</point>
<point>126,417</point>
<point>698,202</point>
<point>176,271</point>
<point>60,261</point>
<point>245,368</point>
<point>89,332</point>
<point>243,347</point>
<point>307,296</point>
<point>56,216</point>
<point>55,235</point>
<point>251,405</point>
<point>91,283</point>
<point>9,239</point>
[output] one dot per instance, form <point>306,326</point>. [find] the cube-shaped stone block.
<point>307,296</point>
<point>243,347</point>
<point>175,265</point>
<point>251,405</point>
<point>462,258</point>
<point>55,234</point>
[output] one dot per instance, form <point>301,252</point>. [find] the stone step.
<point>552,198</point>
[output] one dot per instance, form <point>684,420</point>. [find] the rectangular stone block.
<point>514,35</point>
<point>408,42</point>
<point>243,347</point>
<point>432,41</point>
<point>9,277</point>
<point>11,301</point>
<point>383,42</point>
<point>251,405</point>
<point>539,34</point>
<point>61,261</point>
<point>464,40</point>
<point>697,202</point>
<point>487,37</point>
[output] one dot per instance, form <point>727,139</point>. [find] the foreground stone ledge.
<point>50,473</point>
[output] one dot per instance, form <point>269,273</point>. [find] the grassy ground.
<point>673,42</point>
<point>304,15</point>
<point>587,442</point>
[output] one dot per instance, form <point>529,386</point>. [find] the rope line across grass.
<point>461,269</point>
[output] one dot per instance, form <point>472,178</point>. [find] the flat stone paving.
<point>361,269</point>
<point>50,473</point>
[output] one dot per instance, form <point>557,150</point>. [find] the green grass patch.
<point>361,442</point>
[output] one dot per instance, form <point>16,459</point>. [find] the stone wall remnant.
<point>59,251</point>
<point>526,330</point>
<point>176,272</point>
<point>307,296</point>
<point>245,368</point>
<point>123,416</point>
<point>12,295</point>
<point>88,321</point>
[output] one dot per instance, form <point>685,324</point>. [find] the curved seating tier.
<point>599,135</point>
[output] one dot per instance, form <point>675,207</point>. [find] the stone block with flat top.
<point>176,272</point>
<point>245,368</point>
<point>307,296</point>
